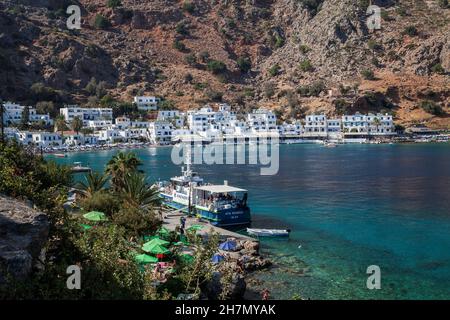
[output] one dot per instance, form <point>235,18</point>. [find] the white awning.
<point>220,189</point>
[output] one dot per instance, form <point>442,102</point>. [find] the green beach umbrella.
<point>156,249</point>
<point>95,216</point>
<point>195,227</point>
<point>145,259</point>
<point>154,242</point>
<point>163,231</point>
<point>85,226</point>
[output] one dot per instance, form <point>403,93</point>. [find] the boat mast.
<point>188,172</point>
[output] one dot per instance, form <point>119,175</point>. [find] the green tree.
<point>47,107</point>
<point>188,6</point>
<point>77,124</point>
<point>113,4</point>
<point>25,119</point>
<point>60,124</point>
<point>120,166</point>
<point>91,87</point>
<point>216,66</point>
<point>136,193</point>
<point>376,122</point>
<point>368,74</point>
<point>244,64</point>
<point>101,22</point>
<point>93,183</point>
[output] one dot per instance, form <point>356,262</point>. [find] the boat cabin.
<point>220,197</point>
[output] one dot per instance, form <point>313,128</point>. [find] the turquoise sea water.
<point>348,208</point>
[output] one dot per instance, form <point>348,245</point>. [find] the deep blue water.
<point>348,208</point>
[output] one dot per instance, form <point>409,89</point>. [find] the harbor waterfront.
<point>348,208</point>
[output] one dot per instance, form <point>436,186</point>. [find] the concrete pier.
<point>171,219</point>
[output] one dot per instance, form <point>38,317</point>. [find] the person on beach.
<point>265,294</point>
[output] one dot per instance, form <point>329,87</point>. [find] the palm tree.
<point>77,124</point>
<point>376,122</point>
<point>120,166</point>
<point>94,182</point>
<point>60,124</point>
<point>137,193</point>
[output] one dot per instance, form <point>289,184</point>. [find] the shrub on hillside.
<point>244,64</point>
<point>411,31</point>
<point>432,108</point>
<point>101,22</point>
<point>274,70</point>
<point>216,66</point>
<point>368,74</point>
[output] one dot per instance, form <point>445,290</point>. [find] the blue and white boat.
<point>221,205</point>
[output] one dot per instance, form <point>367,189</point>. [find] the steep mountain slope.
<point>305,55</point>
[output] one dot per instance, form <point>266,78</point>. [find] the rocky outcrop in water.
<point>23,233</point>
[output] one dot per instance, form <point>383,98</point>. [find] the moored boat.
<point>221,205</point>
<point>268,232</point>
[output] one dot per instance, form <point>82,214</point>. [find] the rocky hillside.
<point>296,56</point>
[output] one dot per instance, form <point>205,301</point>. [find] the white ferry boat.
<point>221,205</point>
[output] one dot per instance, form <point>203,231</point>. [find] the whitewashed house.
<point>174,116</point>
<point>262,120</point>
<point>380,124</point>
<point>46,139</point>
<point>98,124</point>
<point>43,118</point>
<point>109,136</point>
<point>200,120</point>
<point>74,139</point>
<point>315,126</point>
<point>12,113</point>
<point>146,103</point>
<point>160,132</point>
<point>86,114</point>
<point>25,137</point>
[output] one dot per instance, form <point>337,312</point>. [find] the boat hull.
<point>220,218</point>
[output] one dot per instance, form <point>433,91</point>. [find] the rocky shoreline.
<point>238,267</point>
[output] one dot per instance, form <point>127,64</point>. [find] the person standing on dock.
<point>183,222</point>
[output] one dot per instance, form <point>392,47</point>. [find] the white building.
<point>74,139</point>
<point>200,120</point>
<point>46,139</point>
<point>290,129</point>
<point>109,136</point>
<point>44,118</point>
<point>160,132</point>
<point>359,124</point>
<point>86,114</point>
<point>98,124</point>
<point>146,103</point>
<point>315,126</point>
<point>13,115</point>
<point>174,116</point>
<point>262,120</point>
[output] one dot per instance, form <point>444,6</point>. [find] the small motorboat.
<point>60,155</point>
<point>330,145</point>
<point>268,232</point>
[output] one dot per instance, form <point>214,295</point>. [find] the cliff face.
<point>23,233</point>
<point>163,46</point>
